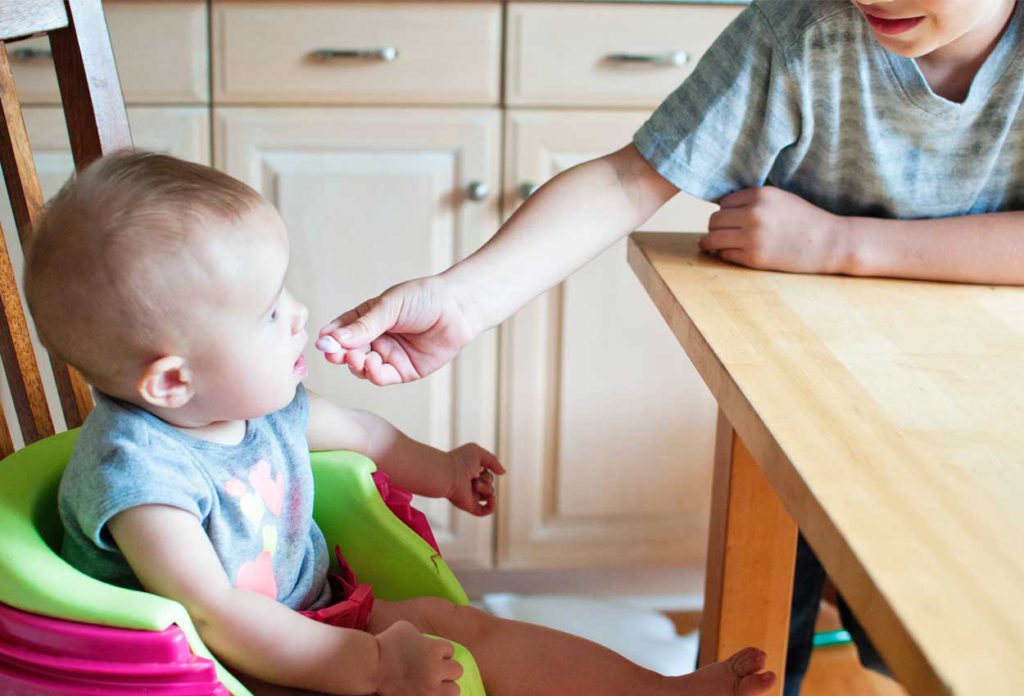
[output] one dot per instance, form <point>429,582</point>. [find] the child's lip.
<point>889,25</point>
<point>300,368</point>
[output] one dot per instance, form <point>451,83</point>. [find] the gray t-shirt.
<point>799,94</point>
<point>254,499</point>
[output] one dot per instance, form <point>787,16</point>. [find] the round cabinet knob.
<point>477,191</point>
<point>527,189</point>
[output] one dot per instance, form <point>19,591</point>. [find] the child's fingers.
<point>739,198</point>
<point>395,354</point>
<point>484,488</point>
<point>485,506</point>
<point>736,256</point>
<point>445,650</point>
<point>356,373</point>
<point>337,358</point>
<point>491,462</point>
<point>719,240</point>
<point>728,218</point>
<point>356,359</point>
<point>336,324</point>
<point>379,372</point>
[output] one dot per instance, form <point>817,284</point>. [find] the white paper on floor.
<point>643,635</point>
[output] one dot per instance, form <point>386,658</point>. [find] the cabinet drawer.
<point>583,54</point>
<point>357,53</point>
<point>160,49</point>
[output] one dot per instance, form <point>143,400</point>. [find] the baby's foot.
<point>740,675</point>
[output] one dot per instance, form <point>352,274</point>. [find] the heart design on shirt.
<point>270,539</point>
<point>271,490</point>
<point>251,505</point>
<point>258,576</point>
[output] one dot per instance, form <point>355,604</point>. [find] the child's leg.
<point>518,658</point>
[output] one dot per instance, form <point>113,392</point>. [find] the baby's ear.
<point>166,382</point>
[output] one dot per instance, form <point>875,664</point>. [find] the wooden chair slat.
<point>97,124</point>
<point>19,359</point>
<point>26,201</point>
<point>16,155</point>
<point>89,87</point>
<point>6,443</point>
<point>19,19</point>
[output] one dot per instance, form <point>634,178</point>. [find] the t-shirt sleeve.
<point>722,129</point>
<point>125,474</point>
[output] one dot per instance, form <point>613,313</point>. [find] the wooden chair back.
<point>97,123</point>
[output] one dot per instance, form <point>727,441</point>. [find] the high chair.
<point>62,632</point>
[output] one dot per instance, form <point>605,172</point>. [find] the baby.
<point>162,282</point>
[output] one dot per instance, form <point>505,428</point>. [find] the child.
<point>874,138</point>
<point>163,283</point>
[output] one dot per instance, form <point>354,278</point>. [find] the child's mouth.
<point>892,27</point>
<point>299,368</point>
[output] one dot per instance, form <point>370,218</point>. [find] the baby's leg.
<point>517,658</point>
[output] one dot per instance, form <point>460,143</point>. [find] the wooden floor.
<point>834,671</point>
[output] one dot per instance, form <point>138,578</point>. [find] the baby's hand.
<point>473,479</point>
<point>412,664</point>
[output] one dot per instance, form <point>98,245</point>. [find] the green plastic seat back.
<point>34,578</point>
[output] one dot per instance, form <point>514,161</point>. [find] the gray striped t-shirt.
<point>254,499</point>
<point>799,94</point>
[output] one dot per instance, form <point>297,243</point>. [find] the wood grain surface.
<point>887,416</point>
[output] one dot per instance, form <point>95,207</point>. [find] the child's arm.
<point>567,222</point>
<point>172,557</point>
<point>772,229</point>
<point>465,476</point>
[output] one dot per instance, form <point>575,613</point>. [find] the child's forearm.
<point>271,642</point>
<point>986,249</point>
<point>411,465</point>
<point>566,223</point>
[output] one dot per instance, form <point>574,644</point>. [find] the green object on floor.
<point>829,639</point>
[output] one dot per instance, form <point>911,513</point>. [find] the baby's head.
<point>162,282</point>
<point>915,28</point>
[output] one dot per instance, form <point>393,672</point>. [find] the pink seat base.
<point>41,655</point>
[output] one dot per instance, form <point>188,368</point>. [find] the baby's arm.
<point>772,229</point>
<point>172,557</point>
<point>464,475</point>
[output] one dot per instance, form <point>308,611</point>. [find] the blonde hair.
<point>115,250</point>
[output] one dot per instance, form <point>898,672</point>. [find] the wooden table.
<point>886,419</point>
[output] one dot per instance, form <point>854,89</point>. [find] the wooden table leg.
<point>751,553</point>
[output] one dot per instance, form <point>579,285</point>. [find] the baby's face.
<point>248,360</point>
<point>915,28</point>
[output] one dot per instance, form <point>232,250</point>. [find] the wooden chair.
<point>97,123</point>
<point>62,632</point>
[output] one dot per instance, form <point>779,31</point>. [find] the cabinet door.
<point>607,429</point>
<point>372,197</point>
<point>180,131</point>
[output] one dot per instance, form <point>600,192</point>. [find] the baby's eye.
<point>273,315</point>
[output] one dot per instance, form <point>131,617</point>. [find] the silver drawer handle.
<point>672,58</point>
<point>386,54</point>
<point>29,53</point>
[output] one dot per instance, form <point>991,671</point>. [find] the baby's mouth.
<point>299,368</point>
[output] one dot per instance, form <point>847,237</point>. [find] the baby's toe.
<point>747,661</point>
<point>755,684</point>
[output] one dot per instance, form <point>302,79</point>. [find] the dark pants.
<point>808,581</point>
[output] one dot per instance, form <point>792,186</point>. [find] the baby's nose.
<point>300,319</point>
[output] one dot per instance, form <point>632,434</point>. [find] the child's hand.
<point>772,229</point>
<point>473,479</point>
<point>412,664</point>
